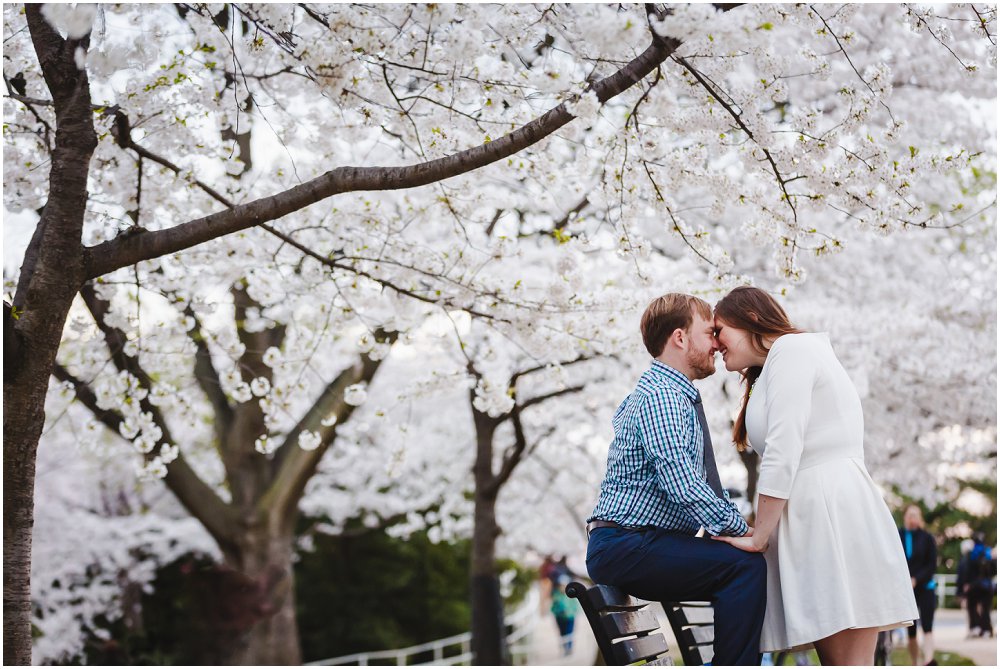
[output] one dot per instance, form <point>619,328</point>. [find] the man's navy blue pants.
<point>664,566</point>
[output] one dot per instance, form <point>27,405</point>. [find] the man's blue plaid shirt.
<point>656,463</point>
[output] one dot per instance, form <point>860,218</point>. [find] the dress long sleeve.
<point>790,374</point>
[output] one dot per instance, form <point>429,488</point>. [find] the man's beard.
<point>701,363</point>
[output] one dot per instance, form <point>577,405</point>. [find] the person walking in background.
<point>979,586</point>
<point>564,609</point>
<point>836,574</point>
<point>921,559</point>
<point>961,580</point>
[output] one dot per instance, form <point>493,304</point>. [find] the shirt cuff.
<point>734,526</point>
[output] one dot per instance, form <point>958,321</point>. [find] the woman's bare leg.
<point>848,648</point>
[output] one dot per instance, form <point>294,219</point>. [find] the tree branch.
<point>288,239</point>
<point>208,378</point>
<point>524,372</point>
<point>127,250</point>
<point>199,499</point>
<point>737,116</point>
<point>56,240</point>
<point>122,131</point>
<point>296,466</point>
<point>514,458</point>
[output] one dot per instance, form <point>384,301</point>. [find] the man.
<point>662,490</point>
<point>921,559</point>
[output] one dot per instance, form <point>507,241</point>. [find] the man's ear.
<point>678,337</point>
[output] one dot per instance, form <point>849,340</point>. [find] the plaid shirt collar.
<point>667,373</point>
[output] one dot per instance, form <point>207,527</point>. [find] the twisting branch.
<point>984,24</point>
<point>296,466</point>
<point>737,116</point>
<point>123,251</point>
<point>31,103</point>
<point>634,116</point>
<point>208,378</point>
<point>122,132</point>
<point>388,284</point>
<point>199,499</point>
<point>673,219</point>
<point>514,457</point>
<point>840,46</point>
<point>923,22</point>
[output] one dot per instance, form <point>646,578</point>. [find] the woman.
<point>836,570</point>
<point>921,559</point>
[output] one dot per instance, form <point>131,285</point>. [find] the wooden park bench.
<point>627,632</point>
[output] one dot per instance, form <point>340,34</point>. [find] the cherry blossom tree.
<point>714,148</point>
<point>68,249</point>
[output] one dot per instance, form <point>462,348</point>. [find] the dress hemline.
<point>806,645</point>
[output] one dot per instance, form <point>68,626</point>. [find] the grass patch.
<point>900,658</point>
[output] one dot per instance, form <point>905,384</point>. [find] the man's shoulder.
<point>655,389</point>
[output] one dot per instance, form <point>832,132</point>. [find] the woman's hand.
<point>745,543</point>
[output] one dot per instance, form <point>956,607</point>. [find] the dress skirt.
<point>835,560</point>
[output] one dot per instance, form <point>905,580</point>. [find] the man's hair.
<point>666,314</point>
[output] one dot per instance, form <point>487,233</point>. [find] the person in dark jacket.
<point>961,580</point>
<point>977,585</point>
<point>921,558</point>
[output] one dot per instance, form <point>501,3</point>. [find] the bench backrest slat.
<point>607,598</point>
<point>641,648</point>
<point>694,629</point>
<point>626,631</point>
<point>625,623</point>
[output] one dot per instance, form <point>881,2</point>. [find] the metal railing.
<point>452,650</point>
<point>945,587</point>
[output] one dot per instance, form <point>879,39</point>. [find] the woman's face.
<point>736,347</point>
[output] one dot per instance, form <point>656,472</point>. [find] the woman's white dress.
<point>835,560</point>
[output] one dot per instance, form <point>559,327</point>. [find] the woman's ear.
<point>753,316</point>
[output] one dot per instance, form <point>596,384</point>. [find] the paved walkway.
<point>950,626</point>
<point>544,646</point>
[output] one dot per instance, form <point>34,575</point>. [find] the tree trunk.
<point>24,388</point>
<point>51,275</point>
<point>254,603</point>
<point>23,418</point>
<point>489,643</point>
<point>750,460</point>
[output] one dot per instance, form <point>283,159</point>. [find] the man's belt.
<point>595,524</point>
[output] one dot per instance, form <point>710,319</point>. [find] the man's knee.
<point>753,563</point>
<point>750,569</point>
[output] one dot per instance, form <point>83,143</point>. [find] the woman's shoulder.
<point>800,343</point>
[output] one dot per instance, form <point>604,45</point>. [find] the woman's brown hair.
<point>752,309</point>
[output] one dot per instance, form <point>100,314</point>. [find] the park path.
<point>950,627</point>
<point>949,632</point>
